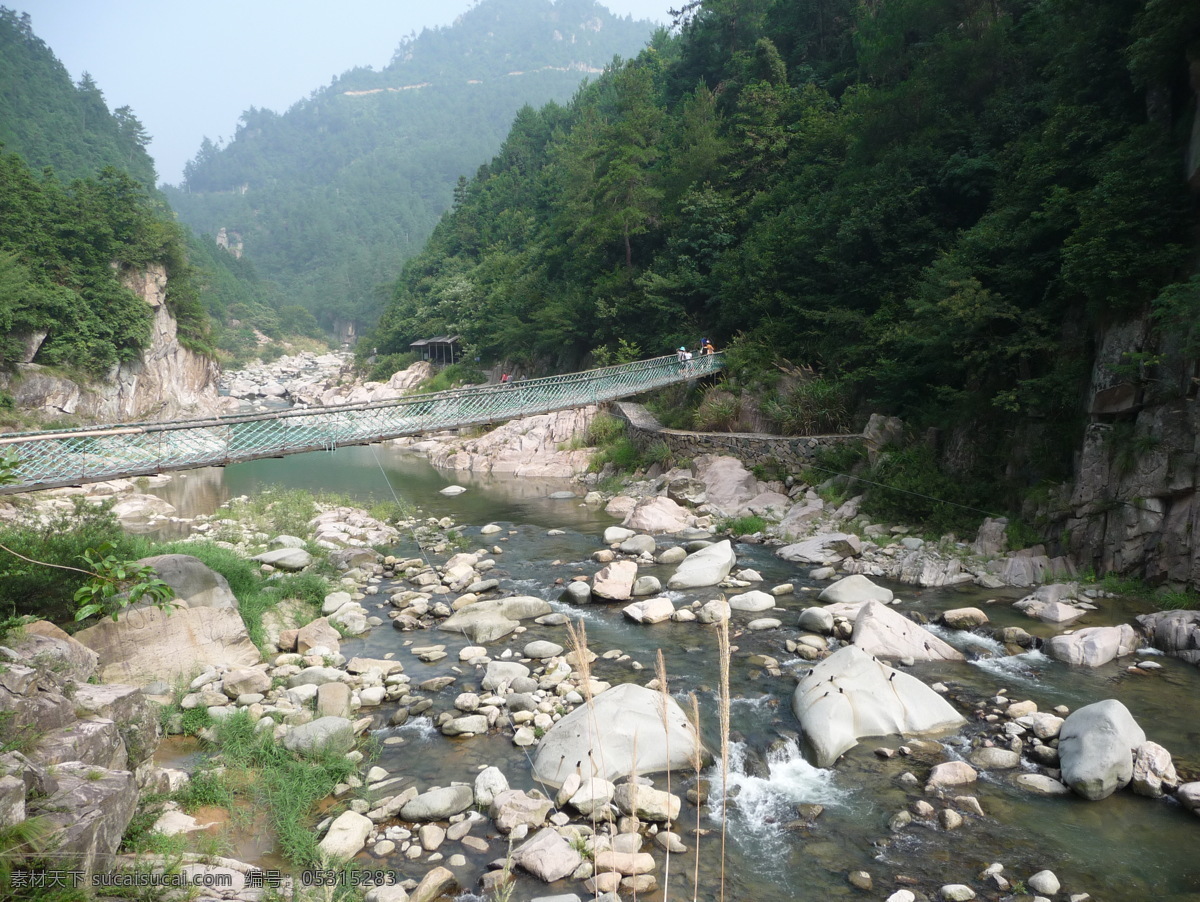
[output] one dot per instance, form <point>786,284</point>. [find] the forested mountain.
<point>933,203</point>
<point>78,212</point>
<point>76,196</point>
<point>332,196</point>
<point>51,122</point>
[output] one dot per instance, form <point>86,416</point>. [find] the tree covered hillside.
<point>51,122</point>
<point>332,196</point>
<point>933,203</point>
<point>78,206</point>
<point>78,212</point>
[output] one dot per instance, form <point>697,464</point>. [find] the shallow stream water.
<point>1122,849</point>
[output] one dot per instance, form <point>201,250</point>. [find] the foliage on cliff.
<point>932,202</point>
<point>64,249</point>
<point>78,197</point>
<point>333,195</point>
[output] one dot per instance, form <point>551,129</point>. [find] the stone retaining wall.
<point>752,448</point>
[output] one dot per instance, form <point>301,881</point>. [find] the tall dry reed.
<point>724,654</point>
<point>664,698</point>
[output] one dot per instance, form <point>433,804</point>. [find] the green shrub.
<point>909,486</point>
<point>817,406</point>
<point>657,452</point>
<point>842,458</point>
<point>455,376</point>
<point>386,365</point>
<point>718,412</point>
<point>622,454</point>
<point>28,587</point>
<point>604,429</point>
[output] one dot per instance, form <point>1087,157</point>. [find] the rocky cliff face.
<point>165,382</point>
<point>1134,508</point>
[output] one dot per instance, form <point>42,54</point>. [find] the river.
<point>1124,849</point>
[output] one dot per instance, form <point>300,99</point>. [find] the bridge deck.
<point>93,454</point>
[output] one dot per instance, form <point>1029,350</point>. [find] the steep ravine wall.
<point>165,382</point>
<point>1133,508</point>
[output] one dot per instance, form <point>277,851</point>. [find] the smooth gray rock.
<point>818,620</point>
<point>547,856</point>
<point>646,585</point>
<point>1095,747</point>
<point>333,733</point>
<point>346,836</point>
<point>1175,632</point>
<point>438,804</point>
<point>193,581</point>
<point>853,589</point>
<point>489,783</point>
<point>879,630</point>
<point>705,567</point>
<point>541,648</point>
<point>1094,645</point>
<point>752,602</point>
<point>822,548</point>
<point>291,559</point>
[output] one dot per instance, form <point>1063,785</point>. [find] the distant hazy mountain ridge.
<point>331,197</point>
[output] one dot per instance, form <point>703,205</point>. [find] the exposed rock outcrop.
<point>1133,508</point>
<point>165,381</point>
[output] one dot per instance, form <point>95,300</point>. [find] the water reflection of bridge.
<point>93,454</point>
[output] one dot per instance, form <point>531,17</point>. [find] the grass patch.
<point>286,785</point>
<point>1161,597</point>
<point>817,406</point>
<point>743,526</point>
<point>274,510</point>
<point>604,429</point>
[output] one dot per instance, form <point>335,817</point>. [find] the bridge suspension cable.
<point>50,459</point>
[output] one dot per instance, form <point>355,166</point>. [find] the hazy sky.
<point>189,69</point>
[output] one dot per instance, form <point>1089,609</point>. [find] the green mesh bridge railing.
<point>92,454</point>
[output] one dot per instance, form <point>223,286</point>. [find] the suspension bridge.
<point>51,459</point>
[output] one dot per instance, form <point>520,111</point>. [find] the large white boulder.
<point>1176,632</point>
<point>728,485</point>
<point>752,602</point>
<point>1095,748</point>
<point>879,630</point>
<point>615,582</point>
<point>853,589</point>
<point>658,516</point>
<point>652,610</point>
<point>705,567</point>
<point>1094,646</point>
<point>850,695</point>
<point>346,837</point>
<point>603,738</point>
<point>148,644</point>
